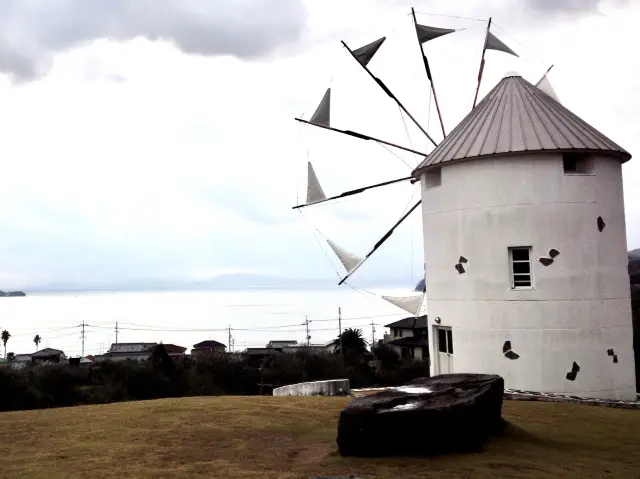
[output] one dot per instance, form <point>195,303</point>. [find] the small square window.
<point>432,178</point>
<point>520,267</point>
<point>577,164</point>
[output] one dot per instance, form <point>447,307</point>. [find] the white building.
<point>127,352</point>
<point>525,248</point>
<point>409,338</point>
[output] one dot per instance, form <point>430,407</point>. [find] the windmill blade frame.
<point>355,191</point>
<point>381,241</point>
<point>361,136</point>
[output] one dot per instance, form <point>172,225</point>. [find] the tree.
<point>387,356</point>
<point>353,343</point>
<point>37,339</point>
<point>5,337</point>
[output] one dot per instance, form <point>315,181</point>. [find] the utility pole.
<point>306,323</point>
<point>82,336</point>
<point>340,329</point>
<point>116,332</point>
<point>373,335</point>
<point>230,339</point>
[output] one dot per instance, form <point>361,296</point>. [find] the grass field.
<point>280,437</point>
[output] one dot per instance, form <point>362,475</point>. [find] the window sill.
<point>523,288</point>
<point>578,174</point>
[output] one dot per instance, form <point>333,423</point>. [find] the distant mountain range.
<point>8,294</point>
<point>223,282</point>
<point>241,281</point>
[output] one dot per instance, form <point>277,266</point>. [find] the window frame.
<point>447,344</point>
<point>512,274</point>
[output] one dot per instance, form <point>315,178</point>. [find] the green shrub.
<point>40,386</point>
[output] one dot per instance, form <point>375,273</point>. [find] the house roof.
<point>517,117</point>
<point>407,323</point>
<point>283,341</point>
<point>209,344</point>
<point>421,340</point>
<point>46,352</point>
<point>128,348</point>
<point>259,351</point>
<point>170,348</point>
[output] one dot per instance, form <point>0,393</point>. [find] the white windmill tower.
<point>524,242</point>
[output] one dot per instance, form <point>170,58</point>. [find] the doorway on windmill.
<point>444,339</point>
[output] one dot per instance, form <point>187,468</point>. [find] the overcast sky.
<point>156,139</point>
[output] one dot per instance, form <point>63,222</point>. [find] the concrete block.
<point>333,387</point>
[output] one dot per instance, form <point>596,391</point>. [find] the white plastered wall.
<point>579,306</point>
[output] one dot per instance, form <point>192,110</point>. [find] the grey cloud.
<point>568,6</point>
<point>31,32</point>
<point>564,5</point>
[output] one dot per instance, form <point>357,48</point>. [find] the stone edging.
<point>518,395</point>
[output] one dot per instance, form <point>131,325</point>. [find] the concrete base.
<point>333,387</point>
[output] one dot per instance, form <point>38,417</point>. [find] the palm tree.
<point>353,342</point>
<point>37,339</point>
<point>5,337</point>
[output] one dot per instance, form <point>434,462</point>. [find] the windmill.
<point>321,118</point>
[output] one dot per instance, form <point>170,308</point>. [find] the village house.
<point>126,351</point>
<point>409,338</point>
<point>47,356</point>
<point>288,346</point>
<point>208,347</point>
<point>174,351</point>
<point>283,344</point>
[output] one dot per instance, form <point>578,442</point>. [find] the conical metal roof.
<point>517,117</point>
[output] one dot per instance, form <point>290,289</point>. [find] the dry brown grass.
<point>279,437</point>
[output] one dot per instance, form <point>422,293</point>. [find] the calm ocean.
<point>185,318</point>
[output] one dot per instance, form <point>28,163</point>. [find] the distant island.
<point>12,293</point>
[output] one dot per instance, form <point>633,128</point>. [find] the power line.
<point>268,328</point>
<point>290,329</point>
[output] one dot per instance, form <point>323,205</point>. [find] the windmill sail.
<point>314,190</point>
<point>382,240</point>
<point>491,42</point>
<point>348,260</point>
<point>494,43</point>
<point>322,115</point>
<point>411,304</point>
<point>426,33</point>
<point>545,85</point>
<point>356,191</point>
<point>365,54</point>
